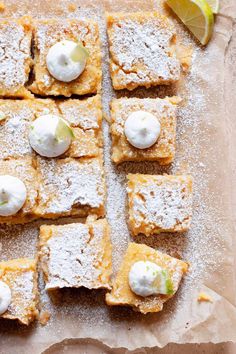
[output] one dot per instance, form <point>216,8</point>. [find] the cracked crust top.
<point>142,50</point>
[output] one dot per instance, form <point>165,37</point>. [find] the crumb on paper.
<point>72,7</point>
<point>44,317</point>
<point>2,7</point>
<point>204,297</point>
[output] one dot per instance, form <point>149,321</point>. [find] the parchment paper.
<point>205,148</point>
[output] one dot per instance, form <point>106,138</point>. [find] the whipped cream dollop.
<point>147,278</point>
<point>66,60</point>
<point>142,129</point>
<point>12,195</point>
<point>5,297</point>
<point>50,135</point>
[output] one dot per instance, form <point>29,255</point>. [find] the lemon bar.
<point>76,255</point>
<point>142,50</point>
<point>47,33</point>
<point>23,169</point>
<point>70,187</point>
<point>15,59</point>
<point>122,295</point>
<point>21,277</point>
<point>84,116</point>
<point>159,203</point>
<point>164,110</point>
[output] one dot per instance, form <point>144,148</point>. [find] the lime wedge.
<point>63,130</point>
<point>80,53</point>
<point>214,5</point>
<point>196,15</point>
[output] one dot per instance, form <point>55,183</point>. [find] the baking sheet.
<point>205,149</point>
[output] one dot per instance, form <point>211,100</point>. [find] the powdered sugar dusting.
<point>14,54</point>
<point>72,257</point>
<point>136,48</point>
<point>69,183</point>
<point>203,246</point>
<point>159,203</point>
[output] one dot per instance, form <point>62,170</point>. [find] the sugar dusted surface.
<point>14,51</point>
<point>72,256</point>
<point>140,51</point>
<point>160,203</point>
<point>67,183</point>
<point>203,246</point>
<point>23,287</point>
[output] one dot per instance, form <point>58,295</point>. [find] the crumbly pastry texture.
<point>76,255</point>
<point>142,50</point>
<point>159,203</point>
<point>122,295</point>
<point>21,276</point>
<point>164,110</point>
<point>15,56</point>
<point>46,34</point>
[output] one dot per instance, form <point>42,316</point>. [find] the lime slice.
<point>196,15</point>
<point>214,5</point>
<point>163,283</point>
<point>80,53</point>
<point>63,130</point>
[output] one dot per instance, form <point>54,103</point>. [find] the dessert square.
<point>159,203</point>
<point>21,277</point>
<point>142,50</point>
<point>76,255</point>
<point>15,58</point>
<point>70,187</point>
<point>122,295</point>
<point>16,117</point>
<point>84,116</point>
<point>46,34</point>
<point>24,170</point>
<point>164,110</point>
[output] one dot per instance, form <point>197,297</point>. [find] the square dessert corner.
<point>76,255</point>
<point>21,277</point>
<point>164,110</point>
<point>84,116</point>
<point>159,203</point>
<point>24,169</point>
<point>142,50</point>
<point>48,32</point>
<point>121,293</point>
<point>70,187</point>
<point>15,61</point>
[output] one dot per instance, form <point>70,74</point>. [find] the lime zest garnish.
<point>169,287</point>
<point>168,283</point>
<point>80,53</point>
<point>3,203</point>
<point>63,130</point>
